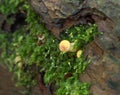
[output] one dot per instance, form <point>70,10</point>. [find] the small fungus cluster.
<point>17,60</point>
<point>66,46</point>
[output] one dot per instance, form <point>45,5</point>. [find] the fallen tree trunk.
<point>104,52</point>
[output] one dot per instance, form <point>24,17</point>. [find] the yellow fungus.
<point>64,46</point>
<point>79,52</point>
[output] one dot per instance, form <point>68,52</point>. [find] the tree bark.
<point>104,52</point>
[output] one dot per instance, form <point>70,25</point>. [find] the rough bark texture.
<point>58,14</point>
<point>104,52</point>
<point>61,14</point>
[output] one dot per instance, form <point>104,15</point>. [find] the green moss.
<point>44,55</point>
<point>10,6</point>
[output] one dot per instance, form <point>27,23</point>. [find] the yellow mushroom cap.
<point>20,64</point>
<point>17,59</point>
<point>79,52</point>
<point>64,46</point>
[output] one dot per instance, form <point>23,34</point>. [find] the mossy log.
<point>104,52</point>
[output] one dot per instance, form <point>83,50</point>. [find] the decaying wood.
<point>45,89</point>
<point>104,52</point>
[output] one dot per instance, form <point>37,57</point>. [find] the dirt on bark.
<point>7,84</point>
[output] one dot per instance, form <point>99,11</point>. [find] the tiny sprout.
<point>41,39</point>
<point>79,52</point>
